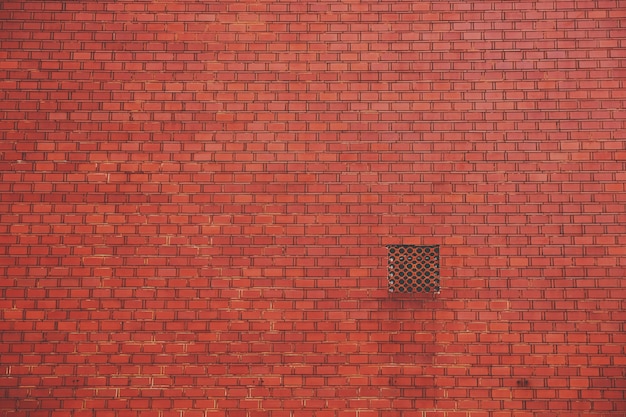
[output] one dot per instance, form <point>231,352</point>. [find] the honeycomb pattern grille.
<point>413,269</point>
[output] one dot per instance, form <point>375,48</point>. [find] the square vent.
<point>413,269</point>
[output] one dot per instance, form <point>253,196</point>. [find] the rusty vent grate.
<point>413,269</point>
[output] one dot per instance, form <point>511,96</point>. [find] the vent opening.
<point>413,269</point>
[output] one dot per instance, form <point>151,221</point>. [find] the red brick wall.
<point>195,200</point>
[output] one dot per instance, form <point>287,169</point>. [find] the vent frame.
<point>413,269</point>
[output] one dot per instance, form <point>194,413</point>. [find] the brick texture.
<point>196,196</point>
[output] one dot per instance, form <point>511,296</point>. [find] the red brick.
<point>202,198</point>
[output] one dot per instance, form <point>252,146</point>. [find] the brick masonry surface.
<point>196,198</point>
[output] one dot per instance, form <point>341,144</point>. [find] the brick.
<point>195,200</point>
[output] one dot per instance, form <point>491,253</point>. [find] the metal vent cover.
<point>413,269</point>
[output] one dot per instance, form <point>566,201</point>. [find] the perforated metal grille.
<point>413,269</point>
